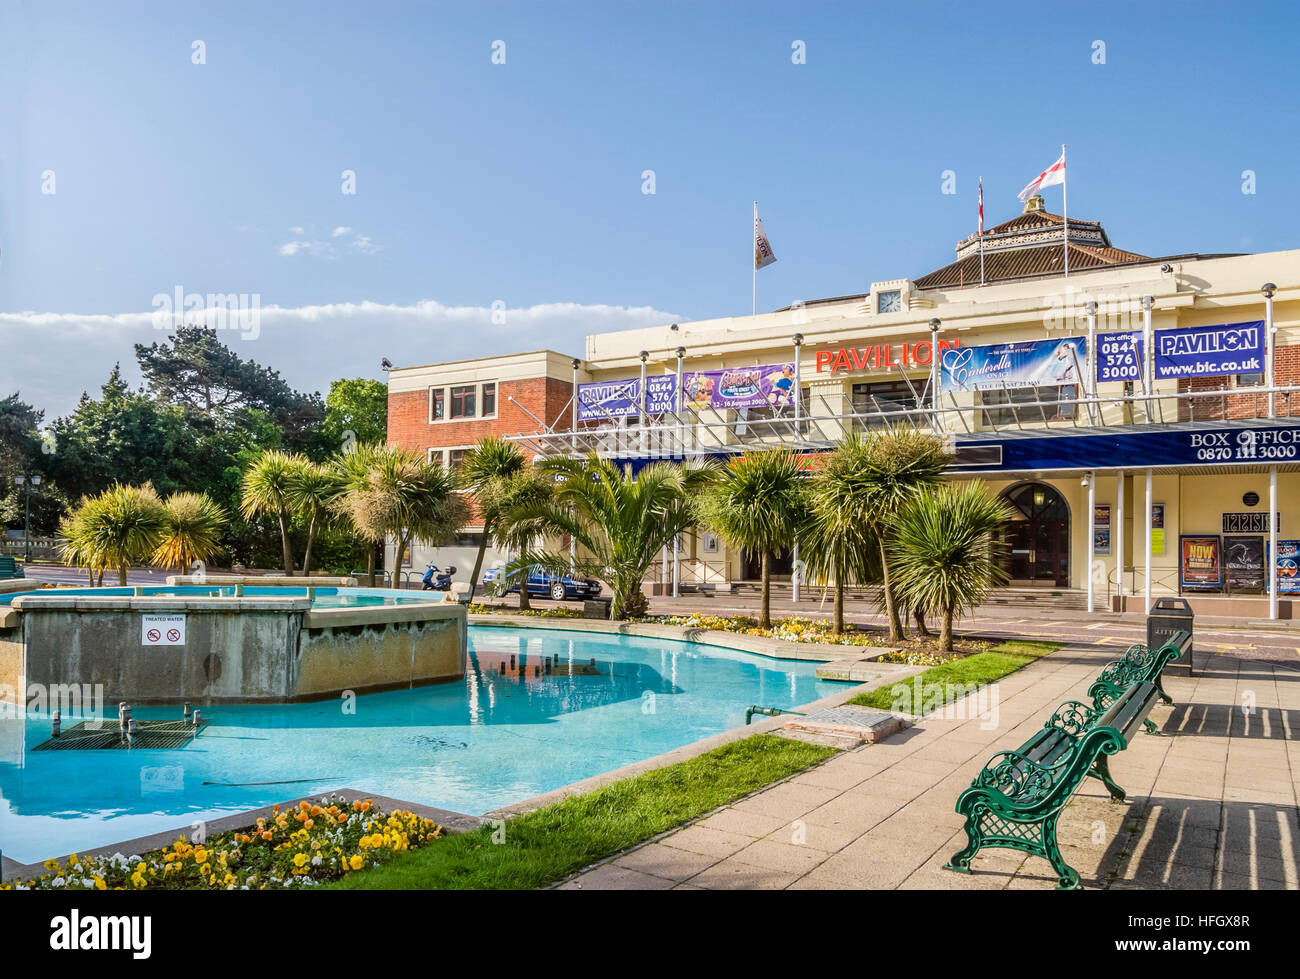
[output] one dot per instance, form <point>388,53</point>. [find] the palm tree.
<point>120,527</point>
<point>393,492</point>
<point>944,550</point>
<point>513,501</point>
<point>758,504</point>
<point>618,521</point>
<point>884,470</point>
<point>191,530</point>
<point>266,486</point>
<point>837,543</point>
<point>483,469</point>
<point>311,489</point>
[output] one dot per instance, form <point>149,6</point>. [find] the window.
<point>1253,380</point>
<point>455,457</point>
<point>436,405</point>
<point>490,399</point>
<point>888,396</point>
<point>1015,406</point>
<point>462,401</point>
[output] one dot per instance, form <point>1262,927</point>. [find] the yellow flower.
<point>137,879</point>
<point>356,862</point>
<point>100,884</point>
<point>299,859</point>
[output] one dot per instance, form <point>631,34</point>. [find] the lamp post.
<point>27,482</point>
<point>1270,361</point>
<point>935,323</point>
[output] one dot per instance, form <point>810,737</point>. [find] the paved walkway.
<point>1211,804</point>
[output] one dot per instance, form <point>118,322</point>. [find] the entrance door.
<point>1037,537</point>
<point>782,565</point>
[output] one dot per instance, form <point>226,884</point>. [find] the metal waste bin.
<point>1165,617</point>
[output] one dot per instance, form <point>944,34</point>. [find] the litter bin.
<point>596,608</point>
<point>1165,617</point>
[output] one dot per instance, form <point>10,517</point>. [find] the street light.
<point>28,482</point>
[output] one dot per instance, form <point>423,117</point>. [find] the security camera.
<point>1166,268</point>
<point>386,364</point>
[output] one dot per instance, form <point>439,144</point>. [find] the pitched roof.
<point>1030,244</point>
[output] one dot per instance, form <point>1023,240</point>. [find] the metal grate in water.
<point>104,735</point>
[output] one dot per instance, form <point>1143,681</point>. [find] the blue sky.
<point>521,183</point>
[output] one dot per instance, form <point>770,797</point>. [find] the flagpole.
<point>753,261</point>
<point>1065,208</point>
<point>981,229</point>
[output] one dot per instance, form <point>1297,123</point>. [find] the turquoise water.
<point>470,747</point>
<point>322,598</point>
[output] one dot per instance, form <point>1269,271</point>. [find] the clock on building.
<point>889,302</point>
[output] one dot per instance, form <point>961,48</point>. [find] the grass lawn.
<point>980,668</point>
<point>551,843</point>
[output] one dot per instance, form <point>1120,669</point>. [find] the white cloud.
<point>309,345</point>
<point>347,241</point>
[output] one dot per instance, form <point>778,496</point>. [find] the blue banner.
<point>1161,446</point>
<point>1202,351</point>
<point>1119,356</point>
<point>622,399</point>
<point>1024,363</point>
<point>1193,351</point>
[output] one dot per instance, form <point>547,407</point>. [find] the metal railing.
<point>711,431</point>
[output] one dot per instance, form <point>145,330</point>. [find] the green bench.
<point>9,568</point>
<point>1138,665</point>
<point>1015,801</point>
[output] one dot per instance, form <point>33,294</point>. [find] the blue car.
<point>543,583</point>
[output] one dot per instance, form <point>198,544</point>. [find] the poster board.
<point>1243,562</point>
<point>1200,562</point>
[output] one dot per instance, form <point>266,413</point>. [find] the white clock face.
<point>889,302</point>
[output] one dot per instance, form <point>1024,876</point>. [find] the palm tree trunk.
<point>287,552</point>
<point>121,576</point>
<point>370,562</point>
<point>921,628</point>
<point>839,596</point>
<point>525,600</point>
<point>765,606</point>
<point>90,573</point>
<point>311,537</point>
<point>478,561</point>
<point>895,623</point>
<point>945,633</point>
<point>101,577</point>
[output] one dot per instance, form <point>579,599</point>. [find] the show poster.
<point>621,399</point>
<point>1243,561</point>
<point>1288,567</point>
<point>1200,562</point>
<point>1157,528</point>
<point>770,386</point>
<point>1101,528</point>
<point>1192,351</point>
<point>1024,363</point>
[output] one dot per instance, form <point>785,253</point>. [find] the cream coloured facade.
<point>867,359</point>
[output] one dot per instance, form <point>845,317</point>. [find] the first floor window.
<point>490,399</point>
<point>437,406</point>
<point>1027,404</point>
<point>462,401</point>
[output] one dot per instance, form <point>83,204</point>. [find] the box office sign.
<point>1243,562</point>
<point>1200,562</point>
<point>162,630</point>
<point>622,399</point>
<point>1196,351</point>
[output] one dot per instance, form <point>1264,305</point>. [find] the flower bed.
<point>298,847</point>
<point>558,612</point>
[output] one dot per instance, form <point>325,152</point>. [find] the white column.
<point>1090,385</point>
<point>663,569</point>
<point>573,425</point>
<point>934,374</point>
<point>1147,524</point>
<point>1272,538</point>
<point>677,564</point>
<point>1269,363</point>
<point>1148,356</point>
<point>681,431</point>
<point>1118,531</point>
<point>798,414</point>
<point>1092,539</point>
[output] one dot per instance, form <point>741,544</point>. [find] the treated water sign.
<point>162,630</point>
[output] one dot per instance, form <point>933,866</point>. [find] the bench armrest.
<point>1072,717</point>
<point>1018,780</point>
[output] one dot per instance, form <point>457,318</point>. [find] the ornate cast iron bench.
<point>1018,797</point>
<point>1138,665</point>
